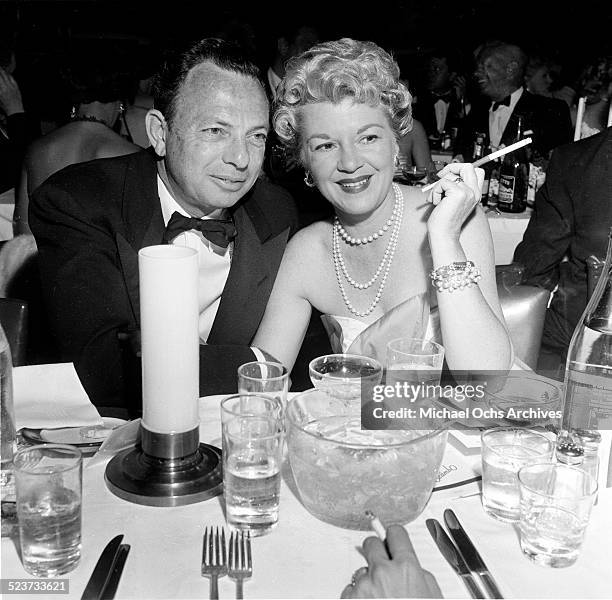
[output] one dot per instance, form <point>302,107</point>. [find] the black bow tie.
<point>504,102</point>
<point>218,231</point>
<point>447,97</point>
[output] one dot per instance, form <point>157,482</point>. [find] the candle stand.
<point>166,469</point>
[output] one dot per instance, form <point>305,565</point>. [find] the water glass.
<point>263,377</point>
<point>252,455</point>
<point>48,482</point>
<point>556,502</point>
<point>505,450</point>
<point>413,361</point>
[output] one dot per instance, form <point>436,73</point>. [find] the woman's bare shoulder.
<point>309,243</point>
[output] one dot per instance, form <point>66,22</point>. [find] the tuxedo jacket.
<point>548,118</point>
<point>425,112</point>
<point>572,217</point>
<point>90,220</point>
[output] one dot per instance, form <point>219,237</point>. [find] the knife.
<point>113,581</point>
<point>453,557</point>
<point>470,554</point>
<point>102,571</point>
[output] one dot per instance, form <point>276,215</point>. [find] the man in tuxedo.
<point>440,106</point>
<point>571,220</point>
<point>197,186</point>
<point>500,70</point>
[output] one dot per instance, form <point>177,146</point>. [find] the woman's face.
<point>350,149</point>
<point>540,81</point>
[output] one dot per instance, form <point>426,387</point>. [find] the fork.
<point>214,563</point>
<point>240,564</point>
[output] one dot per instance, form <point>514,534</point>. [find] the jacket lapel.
<point>142,223</point>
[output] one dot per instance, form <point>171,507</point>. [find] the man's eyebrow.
<point>318,135</point>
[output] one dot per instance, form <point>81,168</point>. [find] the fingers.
<point>432,585</point>
<point>374,550</point>
<point>399,544</point>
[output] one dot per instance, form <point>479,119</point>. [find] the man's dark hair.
<point>175,68</point>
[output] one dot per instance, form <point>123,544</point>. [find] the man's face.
<point>492,76</point>
<point>215,144</point>
<point>438,76</point>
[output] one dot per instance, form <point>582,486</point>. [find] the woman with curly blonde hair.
<point>392,259</point>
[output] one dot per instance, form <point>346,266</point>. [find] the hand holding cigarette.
<point>393,569</point>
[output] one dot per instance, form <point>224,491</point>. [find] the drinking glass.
<point>414,174</point>
<point>48,484</point>
<point>252,454</point>
<point>505,450</point>
<point>413,360</point>
<point>556,502</point>
<point>263,377</point>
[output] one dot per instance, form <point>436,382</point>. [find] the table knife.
<point>113,581</point>
<point>453,557</point>
<point>102,571</point>
<point>470,554</point>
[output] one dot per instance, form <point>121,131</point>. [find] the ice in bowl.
<point>341,470</point>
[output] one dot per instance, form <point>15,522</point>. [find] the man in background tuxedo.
<point>197,186</point>
<point>440,105</point>
<point>500,70</point>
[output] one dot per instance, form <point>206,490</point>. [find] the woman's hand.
<point>455,196</point>
<point>395,573</point>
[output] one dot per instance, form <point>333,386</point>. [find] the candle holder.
<point>166,469</point>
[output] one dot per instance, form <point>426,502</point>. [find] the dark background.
<point>47,32</point>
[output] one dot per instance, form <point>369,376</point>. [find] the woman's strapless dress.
<point>411,318</point>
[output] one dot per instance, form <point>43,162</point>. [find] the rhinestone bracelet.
<point>455,276</point>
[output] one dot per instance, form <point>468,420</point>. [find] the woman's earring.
<point>396,161</point>
<point>121,108</point>
<point>73,112</point>
<point>308,180</point>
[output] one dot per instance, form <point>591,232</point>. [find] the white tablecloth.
<point>304,557</point>
<point>507,230</point>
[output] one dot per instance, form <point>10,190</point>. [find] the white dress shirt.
<point>214,262</point>
<point>498,119</point>
<point>441,110</point>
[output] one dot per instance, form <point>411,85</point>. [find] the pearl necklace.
<point>384,266</point>
<point>353,241</point>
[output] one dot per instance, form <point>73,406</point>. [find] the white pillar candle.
<point>169,336</point>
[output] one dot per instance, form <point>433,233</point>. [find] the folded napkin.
<point>51,396</point>
<point>518,577</point>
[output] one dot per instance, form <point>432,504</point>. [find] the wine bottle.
<point>478,151</point>
<point>587,401</point>
<point>514,177</point>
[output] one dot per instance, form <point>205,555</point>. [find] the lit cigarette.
<point>376,525</point>
<point>579,117</point>
<point>490,157</point>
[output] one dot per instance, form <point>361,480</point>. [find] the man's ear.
<point>157,131</point>
<point>511,68</point>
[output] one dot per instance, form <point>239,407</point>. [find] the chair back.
<point>524,308</point>
<point>14,321</point>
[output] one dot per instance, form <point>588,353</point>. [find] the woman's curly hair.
<point>332,71</point>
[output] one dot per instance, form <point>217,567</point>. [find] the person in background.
<point>441,105</point>
<point>369,268</point>
<point>292,39</point>
<point>197,186</point>
<point>548,77</point>
<point>98,90</point>
<point>595,85</point>
<point>500,73</point>
<point>393,570</point>
<point>570,222</point>
<point>17,127</point>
